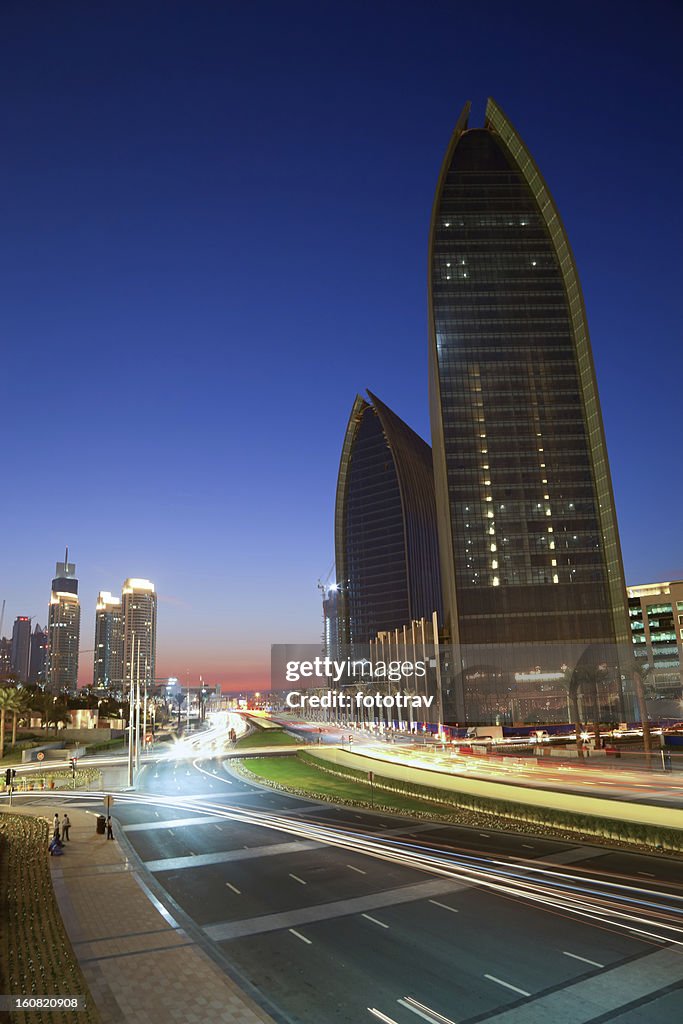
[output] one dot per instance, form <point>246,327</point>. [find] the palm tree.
<point>572,681</point>
<point>6,698</point>
<point>639,673</point>
<point>20,705</point>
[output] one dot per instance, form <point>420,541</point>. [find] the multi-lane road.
<point>392,920</point>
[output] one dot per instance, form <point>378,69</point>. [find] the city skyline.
<point>148,288</point>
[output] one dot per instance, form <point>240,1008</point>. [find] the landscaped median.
<point>273,737</point>
<point>56,778</point>
<point>35,952</point>
<point>338,776</point>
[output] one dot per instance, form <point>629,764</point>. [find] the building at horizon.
<point>385,526</point>
<point>21,647</point>
<point>108,653</point>
<point>330,638</point>
<point>38,658</point>
<point>63,628</point>
<point>656,620</point>
<point>528,538</point>
<point>5,656</point>
<point>139,618</point>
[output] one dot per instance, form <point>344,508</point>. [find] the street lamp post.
<point>130,717</point>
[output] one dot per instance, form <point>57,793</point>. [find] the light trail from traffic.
<point>651,914</point>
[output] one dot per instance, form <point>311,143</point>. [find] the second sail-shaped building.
<point>385,526</point>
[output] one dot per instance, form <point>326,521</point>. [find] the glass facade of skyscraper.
<point>527,529</point>
<point>385,526</point>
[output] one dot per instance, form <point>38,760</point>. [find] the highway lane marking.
<point>614,989</point>
<point>485,835</point>
<point>210,774</point>
<point>646,874</point>
<point>219,827</point>
<point>527,846</point>
<point>222,931</point>
<point>300,936</point>
<point>297,879</point>
<point>234,888</point>
<point>506,984</point>
<point>584,959</point>
<point>375,921</point>
<point>649,935</point>
<point>359,870</point>
<point>248,853</point>
<point>444,906</point>
<point>381,1016</point>
<point>426,1012</point>
<point>171,823</point>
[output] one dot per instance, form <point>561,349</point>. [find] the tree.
<point>572,680</point>
<point>20,704</point>
<point>6,698</point>
<point>640,669</point>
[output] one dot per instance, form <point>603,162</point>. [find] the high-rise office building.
<point>656,619</point>
<point>528,535</point>
<point>330,637</point>
<point>5,657</point>
<point>38,659</point>
<point>21,647</point>
<point>108,654</point>
<point>139,607</point>
<point>63,628</point>
<point>385,526</point>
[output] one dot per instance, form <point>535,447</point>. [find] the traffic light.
<point>8,777</point>
<point>73,767</point>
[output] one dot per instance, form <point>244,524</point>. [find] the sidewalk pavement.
<point>140,965</point>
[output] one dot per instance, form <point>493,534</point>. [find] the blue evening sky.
<point>214,231</point>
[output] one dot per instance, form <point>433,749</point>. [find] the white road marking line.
<point>359,870</point>
<point>297,879</point>
<point>219,827</point>
<point>485,835</point>
<point>506,984</point>
<point>414,1009</point>
<point>647,874</point>
<point>300,936</point>
<point>444,906</point>
<point>234,888</point>
<point>426,1012</point>
<point>381,1016</point>
<point>527,846</point>
<point>375,921</point>
<point>171,832</point>
<point>584,959</point>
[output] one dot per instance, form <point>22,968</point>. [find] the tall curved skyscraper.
<point>527,526</point>
<point>385,526</point>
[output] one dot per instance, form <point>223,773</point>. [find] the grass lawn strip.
<point>267,738</point>
<point>298,777</point>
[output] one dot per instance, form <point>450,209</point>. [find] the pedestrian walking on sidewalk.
<point>110,831</point>
<point>66,825</point>
<point>55,826</point>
